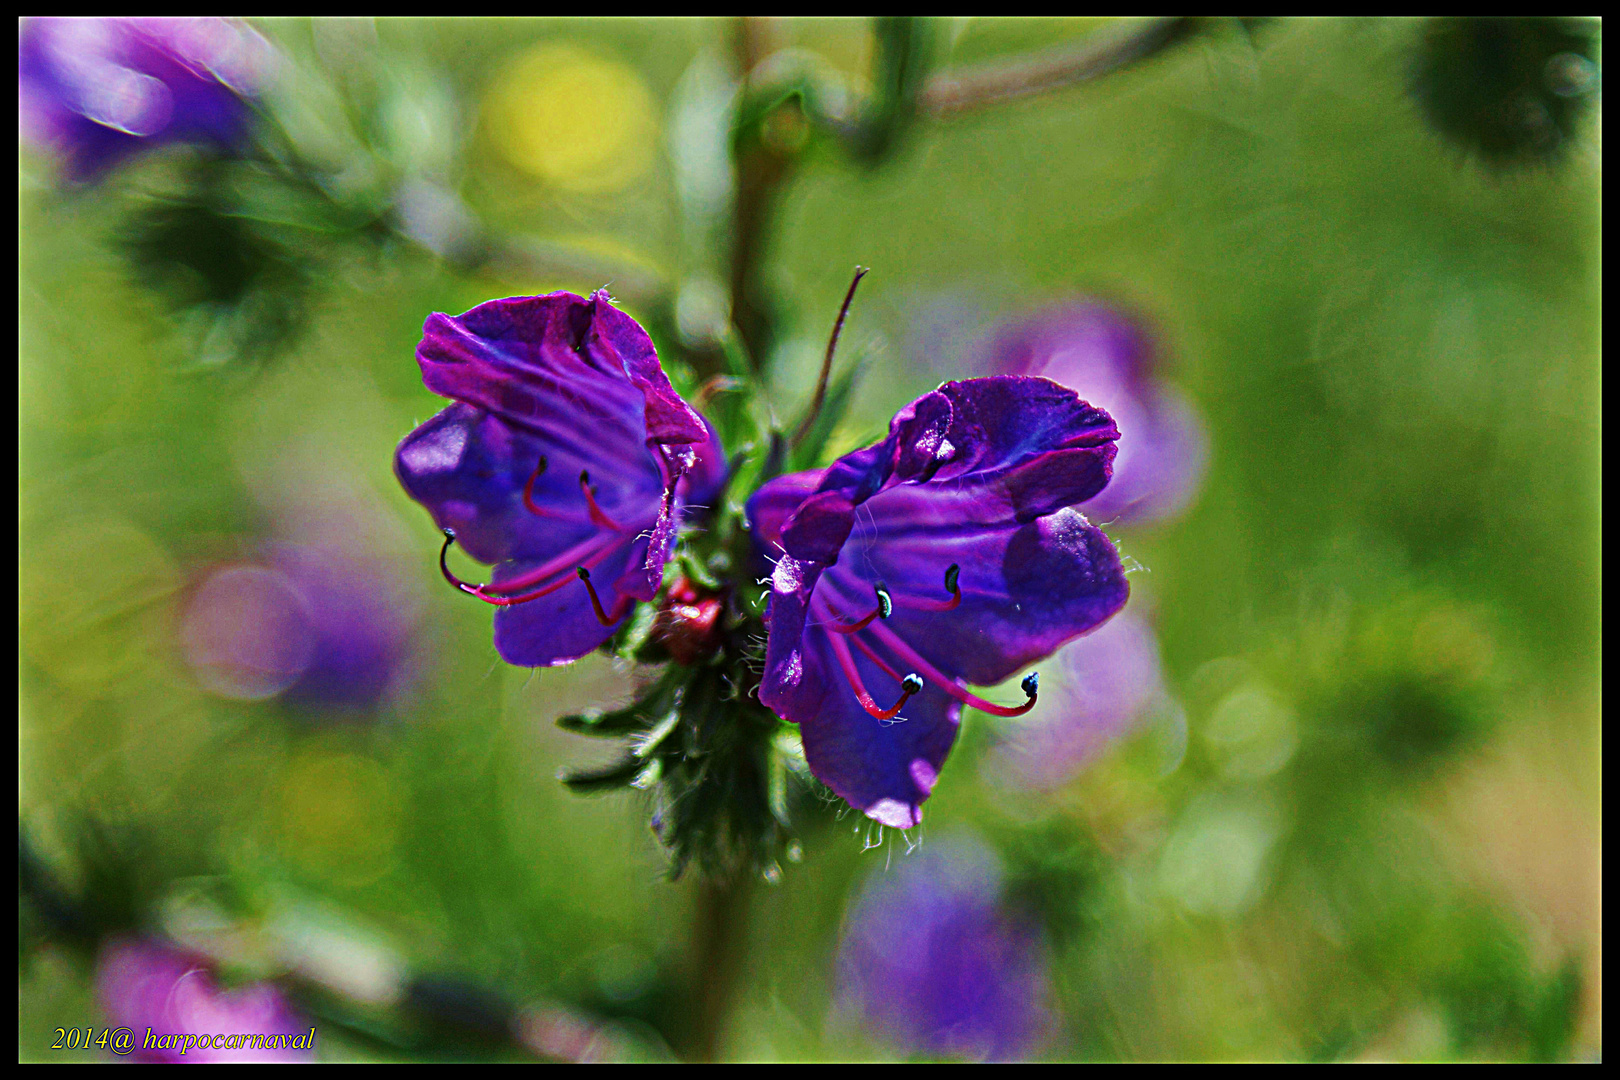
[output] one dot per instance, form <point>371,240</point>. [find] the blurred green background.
<point>1378,834</point>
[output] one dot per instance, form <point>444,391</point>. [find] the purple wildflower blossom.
<point>958,525</point>
<point>566,461</point>
<point>100,90</point>
<point>147,985</point>
<point>309,624</point>
<point>1108,359</point>
<point>932,960</point>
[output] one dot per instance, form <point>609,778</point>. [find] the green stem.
<point>719,930</point>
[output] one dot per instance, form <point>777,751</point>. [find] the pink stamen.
<point>589,551</point>
<point>938,678</point>
<point>872,655</point>
<point>918,604</point>
<point>483,592</point>
<point>599,519</point>
<point>598,516</point>
<point>620,609</point>
<point>908,686</point>
<point>837,626</point>
<point>528,491</point>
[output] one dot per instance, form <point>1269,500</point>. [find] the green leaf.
<point>632,718</point>
<point>642,745</point>
<point>619,774</point>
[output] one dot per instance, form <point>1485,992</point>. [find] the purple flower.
<point>932,960</point>
<point>1108,359</point>
<point>158,990</point>
<point>1104,683</point>
<point>309,624</point>
<point>944,555</point>
<point>566,460</point>
<point>100,90</point>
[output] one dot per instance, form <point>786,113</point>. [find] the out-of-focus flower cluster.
<point>169,997</point>
<point>97,91</point>
<point>309,624</point>
<point>935,962</point>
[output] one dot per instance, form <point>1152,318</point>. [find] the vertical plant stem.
<point>720,926</point>
<point>762,170</point>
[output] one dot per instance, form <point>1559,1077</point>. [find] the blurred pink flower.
<point>159,990</point>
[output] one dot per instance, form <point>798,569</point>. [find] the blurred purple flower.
<point>99,90</point>
<point>1108,359</point>
<point>1099,687</point>
<point>958,526</point>
<point>148,986</point>
<point>932,960</point>
<point>567,456</point>
<point>308,623</point>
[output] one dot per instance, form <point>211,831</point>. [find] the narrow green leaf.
<point>604,778</point>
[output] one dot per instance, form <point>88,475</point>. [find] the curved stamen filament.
<point>528,491</point>
<point>921,604</point>
<point>482,592</point>
<point>588,552</point>
<point>886,603</point>
<point>598,516</point>
<point>872,655</point>
<point>620,609</point>
<point>905,652</point>
<point>910,685</point>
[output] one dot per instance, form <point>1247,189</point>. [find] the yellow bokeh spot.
<point>573,119</point>
<point>339,816</point>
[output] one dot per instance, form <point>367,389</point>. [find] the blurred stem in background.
<point>719,928</point>
<point>1100,54</point>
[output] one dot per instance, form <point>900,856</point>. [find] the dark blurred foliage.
<point>1513,89</point>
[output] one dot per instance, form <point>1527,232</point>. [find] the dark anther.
<point>528,489</point>
<point>596,601</point>
<point>884,600</point>
<point>1031,686</point>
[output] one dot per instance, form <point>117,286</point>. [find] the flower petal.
<point>525,360</point>
<point>1026,589</point>
<point>469,468</point>
<point>1001,449</point>
<point>1109,359</point>
<point>618,339</point>
<point>1163,454</point>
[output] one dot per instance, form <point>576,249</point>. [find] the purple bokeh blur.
<point>1093,690</point>
<point>315,626</point>
<point>932,961</point>
<point>1109,359</point>
<point>149,986</point>
<point>98,90</point>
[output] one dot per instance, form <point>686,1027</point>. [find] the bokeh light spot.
<point>339,817</point>
<point>249,633</point>
<point>578,121</point>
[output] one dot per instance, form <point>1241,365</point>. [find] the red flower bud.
<point>688,623</point>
